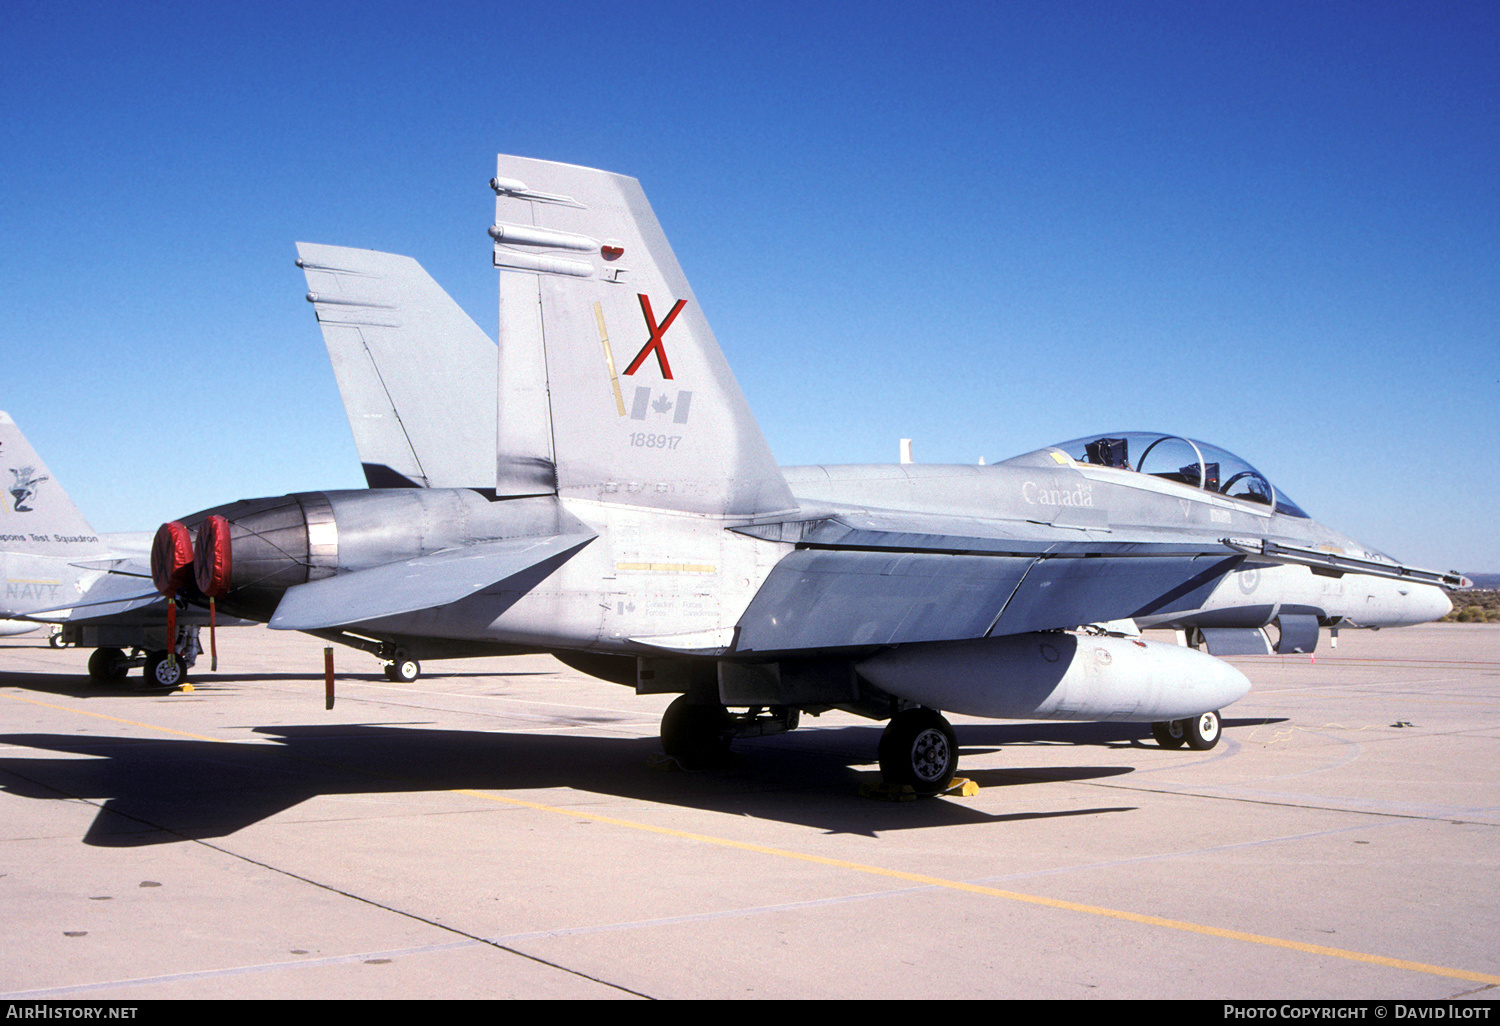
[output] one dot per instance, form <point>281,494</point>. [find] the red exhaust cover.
<point>211,559</point>
<point>171,557</point>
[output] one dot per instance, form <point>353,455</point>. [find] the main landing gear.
<point>1199,733</point>
<point>109,666</point>
<point>697,733</point>
<point>163,672</point>
<point>919,749</point>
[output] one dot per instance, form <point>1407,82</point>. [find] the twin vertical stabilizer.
<point>36,515</point>
<point>414,370</point>
<point>611,384</point>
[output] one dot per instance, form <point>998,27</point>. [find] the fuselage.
<point>678,581</point>
<point>1103,503</point>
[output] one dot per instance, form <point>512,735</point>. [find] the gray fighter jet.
<point>630,519</point>
<point>95,589</point>
<point>415,379</point>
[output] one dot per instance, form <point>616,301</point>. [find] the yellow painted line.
<point>117,719</point>
<point>917,878</point>
<point>1408,664</point>
<point>679,568</point>
<point>1030,899</point>
<point>609,358</point>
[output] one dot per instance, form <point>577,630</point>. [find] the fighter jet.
<point>414,372</point>
<point>97,589</point>
<point>635,524</point>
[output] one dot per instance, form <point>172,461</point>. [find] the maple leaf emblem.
<point>661,404</point>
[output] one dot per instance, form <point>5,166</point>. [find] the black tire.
<point>1170,734</point>
<point>695,733</point>
<point>404,670</point>
<point>919,748</point>
<point>1204,731</point>
<point>108,666</point>
<point>55,640</point>
<point>160,672</point>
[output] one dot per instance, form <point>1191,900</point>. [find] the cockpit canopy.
<point>1184,460</point>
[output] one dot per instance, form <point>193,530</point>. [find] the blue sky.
<point>1272,226</point>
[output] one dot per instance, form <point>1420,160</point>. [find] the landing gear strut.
<point>919,748</point>
<point>1200,733</point>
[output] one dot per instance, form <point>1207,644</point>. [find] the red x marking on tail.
<point>654,342</point>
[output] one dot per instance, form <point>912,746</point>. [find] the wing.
<point>861,580</point>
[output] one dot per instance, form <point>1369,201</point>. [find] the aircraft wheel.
<point>1170,733</point>
<point>108,666</point>
<point>919,748</point>
<point>404,670</point>
<point>164,673</point>
<point>1203,731</point>
<point>55,639</point>
<point>695,733</point>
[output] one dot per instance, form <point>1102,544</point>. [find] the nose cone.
<point>1402,603</point>
<point>1430,602</point>
<point>1418,603</point>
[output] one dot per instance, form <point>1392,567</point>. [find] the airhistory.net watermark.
<point>44,1011</point>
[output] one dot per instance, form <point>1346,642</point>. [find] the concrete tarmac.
<point>498,829</point>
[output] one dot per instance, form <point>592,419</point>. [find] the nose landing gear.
<point>402,669</point>
<point>1200,733</point>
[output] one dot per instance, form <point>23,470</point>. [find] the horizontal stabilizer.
<point>100,603</point>
<point>125,586</point>
<point>421,583</point>
<point>115,565</point>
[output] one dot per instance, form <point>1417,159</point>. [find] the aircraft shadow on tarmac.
<point>1063,732</point>
<point>83,687</point>
<point>161,791</point>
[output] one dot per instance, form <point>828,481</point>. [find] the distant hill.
<point>1484,580</point>
<point>1475,605</point>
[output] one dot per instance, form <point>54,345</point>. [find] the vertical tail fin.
<point>414,370</point>
<point>36,515</point>
<point>602,340</point>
